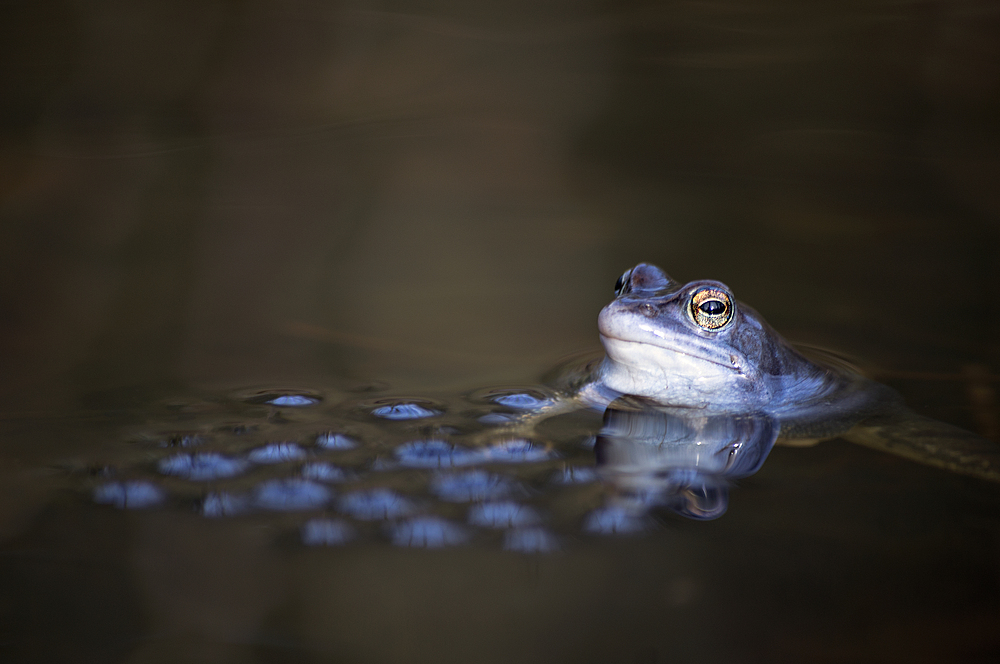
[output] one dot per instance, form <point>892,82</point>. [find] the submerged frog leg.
<point>930,442</point>
<point>811,430</point>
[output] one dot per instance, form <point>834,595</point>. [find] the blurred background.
<point>441,195</point>
<point>435,197</point>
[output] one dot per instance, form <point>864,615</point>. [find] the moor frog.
<point>695,347</point>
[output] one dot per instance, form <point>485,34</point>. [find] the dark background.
<point>437,194</point>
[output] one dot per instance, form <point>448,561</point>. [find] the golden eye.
<point>711,308</point>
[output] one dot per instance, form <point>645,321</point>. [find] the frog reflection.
<point>678,459</point>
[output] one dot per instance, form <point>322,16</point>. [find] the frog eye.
<point>711,308</point>
<point>621,286</point>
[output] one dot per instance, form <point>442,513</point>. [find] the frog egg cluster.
<point>425,491</point>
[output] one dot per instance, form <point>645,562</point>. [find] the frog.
<point>693,348</point>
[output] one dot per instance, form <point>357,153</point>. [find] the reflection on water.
<point>327,532</point>
<point>647,458</point>
<point>678,459</point>
<point>229,516</point>
<point>470,486</point>
<point>491,479</point>
<point>427,532</point>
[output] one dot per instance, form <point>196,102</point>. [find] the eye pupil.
<point>713,307</point>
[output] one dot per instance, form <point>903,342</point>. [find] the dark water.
<point>200,201</point>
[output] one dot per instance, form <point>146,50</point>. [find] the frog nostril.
<point>648,310</point>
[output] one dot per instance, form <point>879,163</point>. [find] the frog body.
<point>694,346</point>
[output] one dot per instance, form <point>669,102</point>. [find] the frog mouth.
<point>663,343</point>
<point>610,341</point>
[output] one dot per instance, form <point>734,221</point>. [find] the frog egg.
<point>504,514</point>
<point>277,453</point>
<point>291,494</point>
<point>222,503</point>
<point>404,411</point>
<point>614,520</point>
<point>335,441</point>
<point>327,532</point>
<point>469,486</point>
<point>435,453</point>
<point>323,472</point>
<point>201,467</point>
<point>129,495</point>
<point>374,504</point>
<point>517,450</point>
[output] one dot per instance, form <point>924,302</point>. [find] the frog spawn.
<point>427,491</point>
<point>346,501</point>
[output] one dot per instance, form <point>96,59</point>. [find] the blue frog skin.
<point>694,346</point>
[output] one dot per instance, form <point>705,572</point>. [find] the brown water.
<point>202,200</point>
